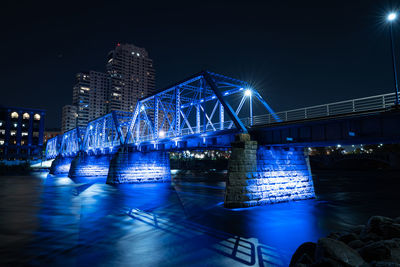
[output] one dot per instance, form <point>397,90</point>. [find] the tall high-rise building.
<point>132,76</point>
<point>80,99</point>
<point>69,115</point>
<point>90,96</point>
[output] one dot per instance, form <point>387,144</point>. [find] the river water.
<point>55,220</point>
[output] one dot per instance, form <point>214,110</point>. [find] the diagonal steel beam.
<point>239,124</point>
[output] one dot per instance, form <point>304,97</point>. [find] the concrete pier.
<point>259,175</point>
<point>139,167</point>
<point>84,165</point>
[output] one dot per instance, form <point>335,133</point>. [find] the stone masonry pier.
<point>84,165</point>
<point>259,175</point>
<point>60,165</point>
<point>139,167</point>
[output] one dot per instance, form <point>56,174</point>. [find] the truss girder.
<point>107,132</point>
<point>53,147</point>
<point>205,102</point>
<point>169,113</point>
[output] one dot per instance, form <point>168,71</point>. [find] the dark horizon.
<point>308,54</point>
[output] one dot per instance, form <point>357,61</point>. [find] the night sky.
<point>296,53</point>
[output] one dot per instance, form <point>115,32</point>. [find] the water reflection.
<point>56,220</point>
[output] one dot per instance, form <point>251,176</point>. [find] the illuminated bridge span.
<point>212,111</point>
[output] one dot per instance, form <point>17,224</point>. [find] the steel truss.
<point>206,102</point>
<point>107,132</point>
<point>203,104</point>
<point>53,147</point>
<point>71,142</point>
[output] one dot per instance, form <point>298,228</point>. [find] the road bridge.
<point>268,161</point>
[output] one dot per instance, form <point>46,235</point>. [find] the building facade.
<point>90,96</point>
<point>21,133</point>
<point>50,133</point>
<point>130,76</point>
<point>69,117</point>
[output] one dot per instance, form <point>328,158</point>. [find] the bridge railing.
<point>332,109</point>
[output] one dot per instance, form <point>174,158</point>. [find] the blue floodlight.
<point>392,16</point>
<point>247,92</point>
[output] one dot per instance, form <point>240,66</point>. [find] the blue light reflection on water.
<point>61,221</point>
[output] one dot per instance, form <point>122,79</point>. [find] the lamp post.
<point>391,17</point>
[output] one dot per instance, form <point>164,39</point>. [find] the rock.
<point>377,251</point>
<point>307,248</point>
<point>356,244</point>
<point>337,251</point>
<point>334,235</point>
<point>394,250</point>
<point>379,228</point>
<point>375,223</point>
<point>366,237</point>
<point>305,260</point>
<point>357,229</point>
<point>327,262</point>
<point>384,264</point>
<point>347,238</point>
<point>390,231</point>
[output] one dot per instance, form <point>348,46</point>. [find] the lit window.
<point>15,125</point>
<point>24,134</point>
<point>25,116</point>
<point>1,123</point>
<point>36,117</point>
<point>1,142</point>
<point>22,142</point>
<point>13,133</point>
<point>2,131</point>
<point>14,115</point>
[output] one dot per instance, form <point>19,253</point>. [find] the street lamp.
<point>392,17</point>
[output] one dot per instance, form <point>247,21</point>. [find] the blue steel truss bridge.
<point>212,111</point>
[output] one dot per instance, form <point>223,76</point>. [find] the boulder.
<point>384,264</point>
<point>327,262</point>
<point>307,248</point>
<point>355,244</point>
<point>375,224</point>
<point>357,229</point>
<point>376,251</point>
<point>337,251</point>
<point>334,235</point>
<point>390,230</point>
<point>347,238</point>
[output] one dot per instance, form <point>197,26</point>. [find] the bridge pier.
<point>84,165</point>
<point>259,175</point>
<point>60,165</point>
<point>139,167</point>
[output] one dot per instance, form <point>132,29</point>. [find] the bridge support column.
<point>60,165</point>
<point>259,175</point>
<point>139,167</point>
<point>84,165</point>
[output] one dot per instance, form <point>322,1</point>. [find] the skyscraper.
<point>132,76</point>
<point>90,96</point>
<point>69,115</point>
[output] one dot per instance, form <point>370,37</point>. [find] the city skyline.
<point>316,54</point>
<point>128,76</point>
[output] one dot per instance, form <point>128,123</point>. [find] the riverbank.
<point>374,244</point>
